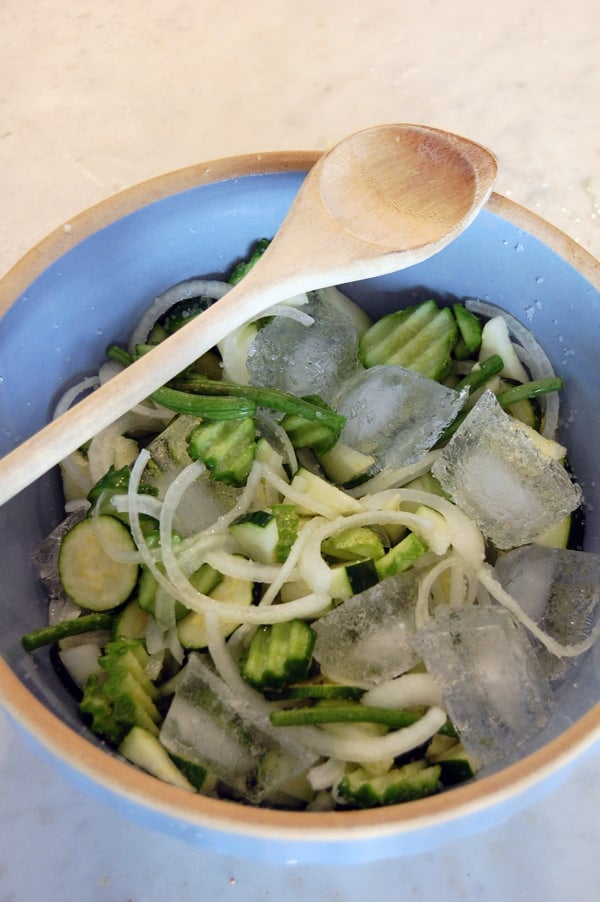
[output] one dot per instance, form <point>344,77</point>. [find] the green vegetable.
<point>183,311</point>
<point>125,698</point>
<point>310,433</point>
<point>345,713</point>
<point>46,635</point>
<point>470,329</point>
<point>227,448</point>
<point>240,269</point>
<point>420,338</point>
<point>114,482</point>
<point>279,654</point>
<point>481,374</point>
<point>267,536</point>
<point>229,590</point>
<point>353,544</point>
<point>456,765</point>
<point>142,747</point>
<point>401,556</point>
<point>311,408</point>
<point>314,690</point>
<point>129,622</point>
<point>528,390</point>
<point>89,575</point>
<point>401,784</point>
<point>352,578</point>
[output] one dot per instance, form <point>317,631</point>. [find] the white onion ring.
<point>536,359</point>
<point>190,288</point>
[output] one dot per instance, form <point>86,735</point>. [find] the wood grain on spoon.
<point>382,200</point>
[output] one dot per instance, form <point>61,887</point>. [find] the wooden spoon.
<point>383,199</point>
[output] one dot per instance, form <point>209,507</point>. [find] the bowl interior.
<point>58,326</point>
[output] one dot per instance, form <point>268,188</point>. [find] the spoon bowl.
<point>378,202</point>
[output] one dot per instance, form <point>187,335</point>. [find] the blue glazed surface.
<point>58,330</point>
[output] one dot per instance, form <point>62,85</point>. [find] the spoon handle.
<point>51,444</point>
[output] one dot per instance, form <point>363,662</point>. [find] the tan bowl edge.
<point>205,813</point>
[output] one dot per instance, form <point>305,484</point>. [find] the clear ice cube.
<point>494,471</point>
<point>306,360</point>
<point>210,725</point>
<point>559,589</point>
<point>395,414</point>
<point>367,639</point>
<point>493,689</point>
<point>45,558</point>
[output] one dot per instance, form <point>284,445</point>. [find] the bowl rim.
<point>195,810</point>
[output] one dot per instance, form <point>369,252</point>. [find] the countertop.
<point>97,97</point>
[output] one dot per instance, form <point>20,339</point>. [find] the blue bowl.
<point>85,285</point>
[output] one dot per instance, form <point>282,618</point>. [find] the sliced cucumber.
<point>267,536</point>
<point>356,543</point>
<point>130,622</point>
<point>470,329</point>
<point>230,590</point>
<point>401,556</point>
<point>227,447</point>
<point>350,579</point>
<point>557,536</point>
<point>145,750</point>
<point>420,338</point>
<point>203,580</point>
<point>279,654</point>
<point>345,466</point>
<point>317,493</point>
<point>401,784</point>
<point>89,575</point>
<point>456,765</point>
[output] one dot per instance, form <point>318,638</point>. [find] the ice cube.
<point>367,639</point>
<point>559,589</point>
<point>305,360</point>
<point>45,558</point>
<point>395,414</point>
<point>493,689</point>
<point>209,725</point>
<point>494,471</point>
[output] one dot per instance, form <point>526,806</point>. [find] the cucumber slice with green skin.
<point>89,575</point>
<point>353,544</point>
<point>420,338</point>
<point>470,328</point>
<point>144,749</point>
<point>197,775</point>
<point>318,492</point>
<point>230,590</point>
<point>414,780</point>
<point>130,622</point>
<point>401,556</point>
<point>557,536</point>
<point>345,466</point>
<point>267,536</point>
<point>279,654</point>
<point>203,580</point>
<point>228,448</point>
<point>351,579</point>
<point>456,765</point>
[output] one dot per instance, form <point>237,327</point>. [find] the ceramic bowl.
<point>85,285</point>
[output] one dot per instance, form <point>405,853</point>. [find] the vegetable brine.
<point>330,565</point>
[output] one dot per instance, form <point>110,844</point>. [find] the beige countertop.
<point>97,97</point>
